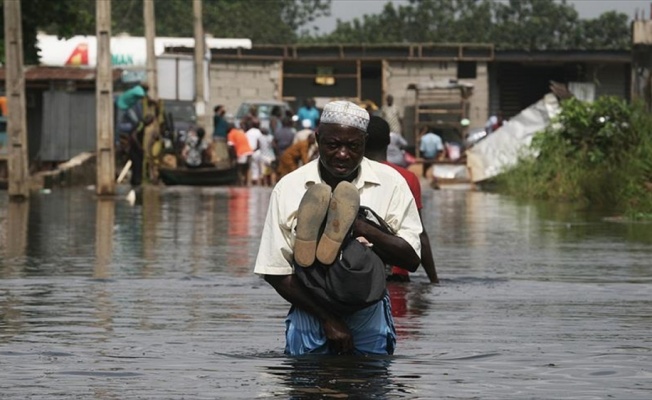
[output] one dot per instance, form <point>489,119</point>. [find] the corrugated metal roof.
<point>387,51</point>
<point>611,56</point>
<point>39,73</point>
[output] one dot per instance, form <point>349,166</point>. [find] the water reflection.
<point>151,208</point>
<point>158,300</point>
<point>15,231</point>
<point>101,296</point>
<point>239,258</point>
<point>104,223</point>
<point>409,302</point>
<point>326,377</point>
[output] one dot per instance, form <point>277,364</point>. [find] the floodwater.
<point>103,300</point>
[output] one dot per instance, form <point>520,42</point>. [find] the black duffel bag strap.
<point>374,219</point>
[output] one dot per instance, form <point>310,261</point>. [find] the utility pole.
<point>18,185</point>
<point>200,102</point>
<point>104,100</point>
<point>150,34</point>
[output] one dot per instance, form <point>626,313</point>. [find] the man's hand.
<point>339,336</point>
<point>391,249</point>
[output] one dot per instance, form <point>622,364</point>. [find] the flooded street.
<point>103,300</point>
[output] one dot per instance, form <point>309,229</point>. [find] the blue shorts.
<point>372,329</point>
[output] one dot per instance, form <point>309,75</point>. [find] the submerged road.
<point>104,300</point>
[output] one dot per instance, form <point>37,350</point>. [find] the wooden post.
<point>104,100</point>
<point>279,94</point>
<point>200,99</point>
<point>358,79</point>
<point>384,78</point>
<point>150,34</point>
<point>18,185</point>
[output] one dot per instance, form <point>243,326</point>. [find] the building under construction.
<point>492,81</point>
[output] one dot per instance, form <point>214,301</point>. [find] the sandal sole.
<point>342,211</point>
<point>310,216</point>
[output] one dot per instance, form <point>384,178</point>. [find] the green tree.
<point>534,25</point>
<point>63,18</point>
<point>516,24</point>
<point>262,21</point>
<point>610,30</point>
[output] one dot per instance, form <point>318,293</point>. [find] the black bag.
<point>355,280</point>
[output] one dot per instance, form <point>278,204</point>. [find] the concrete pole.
<point>150,34</point>
<point>18,184</point>
<point>104,101</point>
<point>200,102</point>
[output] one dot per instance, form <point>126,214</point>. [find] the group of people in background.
<point>266,154</point>
<point>263,154</point>
<point>288,142</point>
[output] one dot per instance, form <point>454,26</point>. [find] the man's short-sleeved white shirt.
<point>381,188</point>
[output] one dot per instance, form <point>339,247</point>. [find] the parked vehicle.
<point>264,111</point>
<point>182,115</point>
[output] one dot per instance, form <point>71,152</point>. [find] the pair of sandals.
<point>339,209</point>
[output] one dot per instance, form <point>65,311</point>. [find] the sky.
<point>346,10</point>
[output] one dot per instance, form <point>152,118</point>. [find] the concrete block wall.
<point>233,81</point>
<point>400,74</point>
<point>479,102</point>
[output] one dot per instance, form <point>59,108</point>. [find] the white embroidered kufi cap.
<point>345,113</point>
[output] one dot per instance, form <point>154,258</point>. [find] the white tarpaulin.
<point>502,148</point>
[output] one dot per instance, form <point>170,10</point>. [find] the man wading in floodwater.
<point>327,189</point>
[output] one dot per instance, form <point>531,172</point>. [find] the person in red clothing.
<point>376,149</point>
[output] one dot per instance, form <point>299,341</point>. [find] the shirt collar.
<point>367,174</point>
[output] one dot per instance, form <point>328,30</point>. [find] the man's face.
<point>341,148</point>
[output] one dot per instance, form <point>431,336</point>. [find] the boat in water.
<point>221,170</point>
<point>204,176</point>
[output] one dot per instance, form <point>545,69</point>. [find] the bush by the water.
<point>596,153</point>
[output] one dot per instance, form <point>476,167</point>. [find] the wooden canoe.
<point>208,176</point>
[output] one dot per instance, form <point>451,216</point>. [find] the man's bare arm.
<point>391,249</point>
<point>427,259</point>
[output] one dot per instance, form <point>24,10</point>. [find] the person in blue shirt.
<point>126,104</point>
<point>431,147</point>
<point>220,124</point>
<point>310,112</point>
<point>129,98</point>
